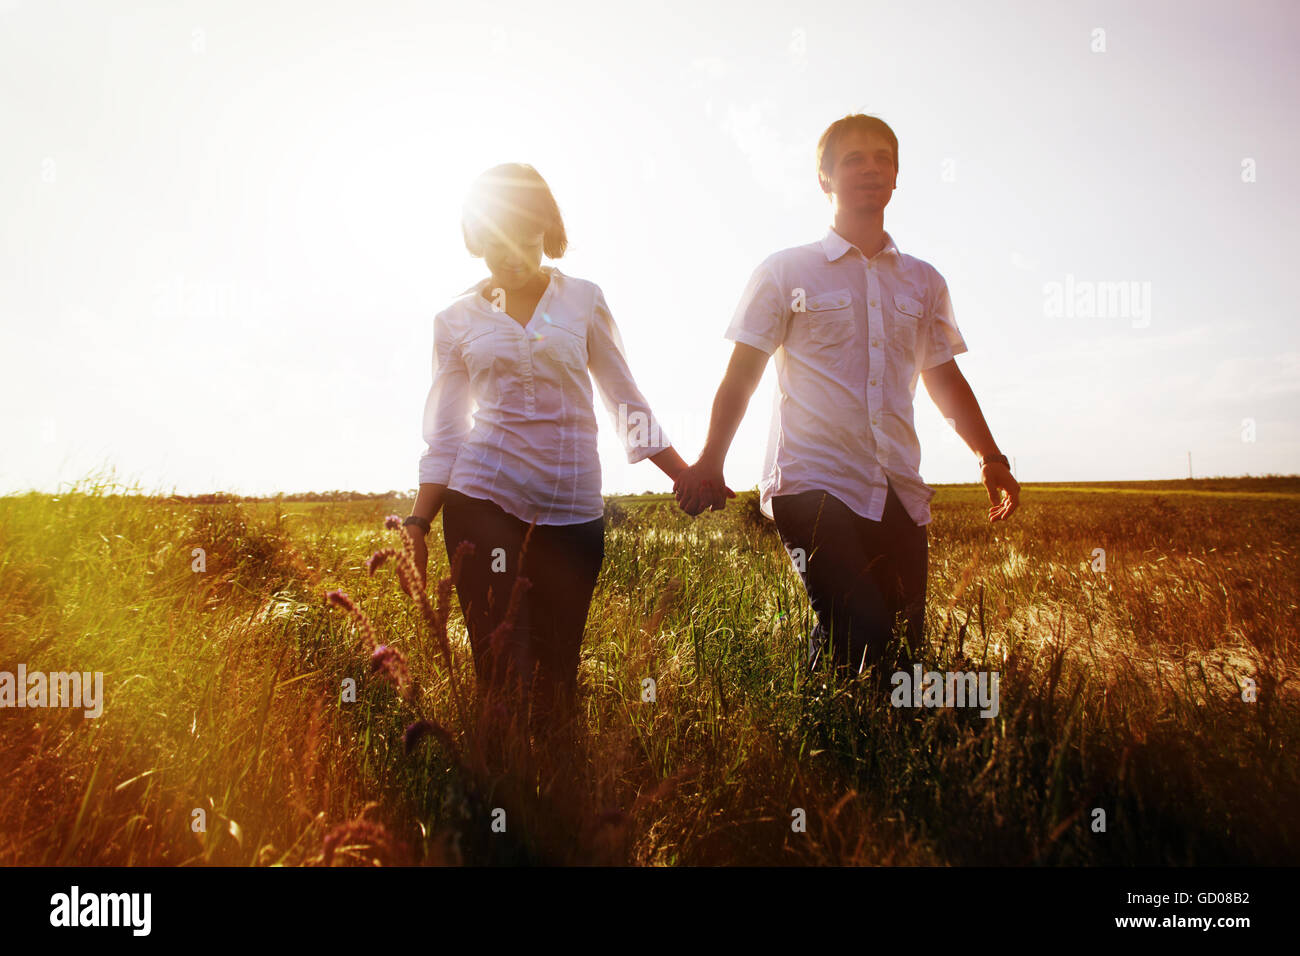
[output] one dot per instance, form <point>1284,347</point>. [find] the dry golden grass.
<point>1120,690</point>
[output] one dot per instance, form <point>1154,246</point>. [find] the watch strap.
<point>421,523</point>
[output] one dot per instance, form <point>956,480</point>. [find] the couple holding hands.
<point>852,323</point>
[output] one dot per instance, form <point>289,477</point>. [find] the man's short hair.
<point>830,139</point>
<point>508,199</point>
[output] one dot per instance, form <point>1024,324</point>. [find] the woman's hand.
<point>421,548</point>
<point>427,502</point>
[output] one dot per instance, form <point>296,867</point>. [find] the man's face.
<point>863,177</point>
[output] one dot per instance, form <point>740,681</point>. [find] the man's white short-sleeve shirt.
<point>850,336</point>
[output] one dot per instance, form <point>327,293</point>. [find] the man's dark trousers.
<point>859,575</point>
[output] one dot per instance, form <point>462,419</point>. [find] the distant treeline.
<point>221,497</point>
<point>1274,483</point>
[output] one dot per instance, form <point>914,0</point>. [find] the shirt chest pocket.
<point>563,344</point>
<point>479,349</point>
<point>907,320</point>
<point>829,317</point>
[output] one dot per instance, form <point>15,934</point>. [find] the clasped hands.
<point>700,487</point>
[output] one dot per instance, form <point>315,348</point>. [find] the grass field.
<point>225,738</point>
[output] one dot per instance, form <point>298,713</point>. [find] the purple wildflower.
<point>340,599</point>
<point>391,850</point>
<point>390,663</point>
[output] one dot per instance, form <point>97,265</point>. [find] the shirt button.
<point>874,303</point>
<point>875,342</point>
<point>873,381</point>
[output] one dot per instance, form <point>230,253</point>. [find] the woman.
<point>520,344</point>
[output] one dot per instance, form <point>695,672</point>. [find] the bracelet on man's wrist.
<point>989,459</point>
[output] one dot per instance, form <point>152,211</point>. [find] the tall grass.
<point>1121,691</point>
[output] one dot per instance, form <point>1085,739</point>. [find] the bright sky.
<point>226,227</point>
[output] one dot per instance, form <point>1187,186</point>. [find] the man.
<point>853,322</point>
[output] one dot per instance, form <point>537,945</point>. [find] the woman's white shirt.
<point>529,441</point>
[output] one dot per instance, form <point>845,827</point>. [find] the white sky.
<point>226,227</point>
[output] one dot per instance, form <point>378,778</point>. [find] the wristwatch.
<point>419,522</point>
<point>988,459</point>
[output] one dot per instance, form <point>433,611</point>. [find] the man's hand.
<point>1003,489</point>
<point>701,487</point>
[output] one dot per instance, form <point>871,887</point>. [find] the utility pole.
<point>1189,466</point>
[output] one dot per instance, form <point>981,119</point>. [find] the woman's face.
<point>514,258</point>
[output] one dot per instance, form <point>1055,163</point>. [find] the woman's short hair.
<point>509,199</point>
<point>830,139</point>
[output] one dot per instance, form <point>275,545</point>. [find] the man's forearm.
<point>956,402</point>
<point>729,406</point>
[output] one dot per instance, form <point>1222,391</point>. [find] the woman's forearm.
<point>669,462</point>
<point>428,501</point>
